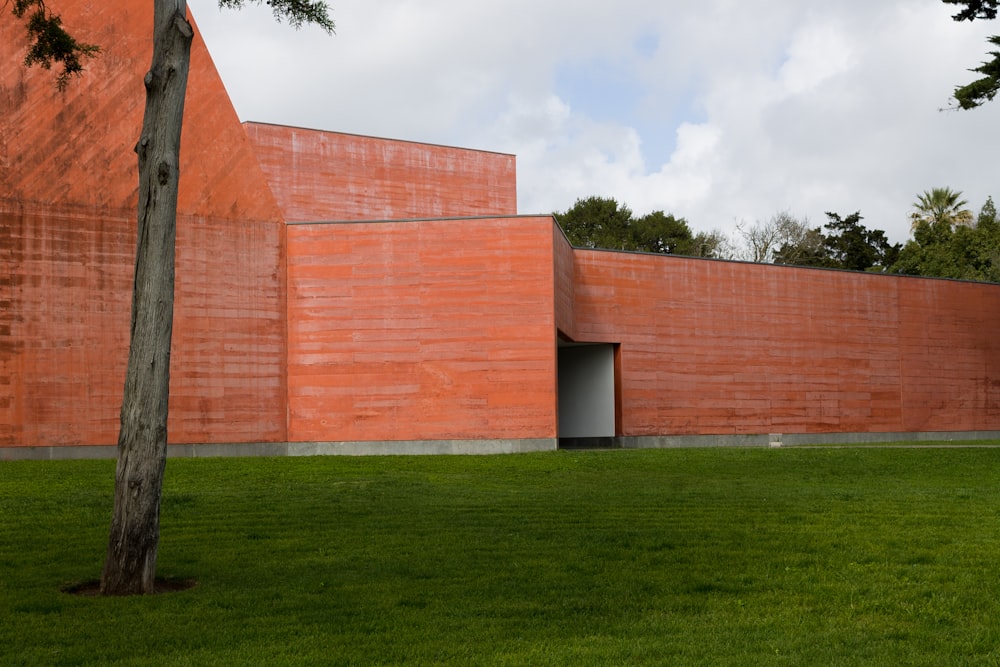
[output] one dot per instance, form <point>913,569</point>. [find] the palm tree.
<point>941,205</point>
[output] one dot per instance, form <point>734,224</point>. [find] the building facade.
<point>346,294</point>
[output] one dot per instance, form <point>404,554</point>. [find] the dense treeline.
<point>599,222</point>
<point>952,243</point>
<point>947,240</point>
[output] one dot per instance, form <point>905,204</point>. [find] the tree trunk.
<point>130,567</point>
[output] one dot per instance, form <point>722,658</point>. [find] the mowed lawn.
<point>864,556</point>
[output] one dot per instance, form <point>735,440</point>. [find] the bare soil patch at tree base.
<point>92,588</point>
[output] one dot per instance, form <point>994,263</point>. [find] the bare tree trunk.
<point>130,567</point>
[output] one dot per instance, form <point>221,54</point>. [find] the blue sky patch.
<point>610,92</point>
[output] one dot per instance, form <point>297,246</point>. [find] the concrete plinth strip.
<point>374,448</point>
<point>801,439</point>
<point>496,446</point>
<point>419,447</point>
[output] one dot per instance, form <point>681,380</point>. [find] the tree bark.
<point>130,566</point>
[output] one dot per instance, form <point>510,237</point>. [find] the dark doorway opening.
<point>588,389</point>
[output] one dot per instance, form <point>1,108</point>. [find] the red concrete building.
<point>346,294</point>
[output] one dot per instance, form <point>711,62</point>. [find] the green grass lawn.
<point>701,556</point>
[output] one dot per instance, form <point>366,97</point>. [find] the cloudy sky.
<point>717,111</point>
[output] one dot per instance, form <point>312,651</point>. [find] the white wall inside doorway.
<point>587,391</point>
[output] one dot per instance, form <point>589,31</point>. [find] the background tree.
<point>662,233</point>
<point>985,88</point>
<point>130,565</point>
<point>945,250</point>
<point>756,242</point>
<point>601,222</point>
<point>807,248</point>
<point>713,244</point>
<point>854,247</point>
<point>941,206</point>
<point>763,241</point>
<point>597,222</point>
<point>987,253</point>
<point>785,239</point>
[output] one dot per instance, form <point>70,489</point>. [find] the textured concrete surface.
<point>430,331</point>
<point>711,347</point>
<point>65,320</point>
<point>422,447</point>
<point>324,176</point>
<point>965,438</point>
<point>358,448</point>
<point>508,446</point>
<point>76,147</point>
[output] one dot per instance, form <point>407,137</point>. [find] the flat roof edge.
<point>366,221</point>
<point>377,138</point>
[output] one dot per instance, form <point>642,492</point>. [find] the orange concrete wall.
<point>322,176</point>
<point>76,147</point>
<point>949,355</point>
<point>430,330</point>
<point>563,257</point>
<point>68,184</point>
<point>713,347</point>
<point>65,292</point>
<point>421,330</point>
<point>227,381</point>
<point>64,322</point>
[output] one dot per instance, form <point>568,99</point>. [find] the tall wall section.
<point>711,347</point>
<point>564,270</point>
<point>68,184</point>
<point>421,331</point>
<point>323,176</point>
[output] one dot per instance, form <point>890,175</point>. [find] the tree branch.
<point>50,43</point>
<point>296,12</point>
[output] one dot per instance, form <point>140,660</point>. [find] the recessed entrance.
<point>587,398</point>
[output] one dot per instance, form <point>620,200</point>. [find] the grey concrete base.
<point>228,449</point>
<point>680,441</point>
<point>420,447</point>
<point>499,446</point>
<point>382,448</point>
<point>791,440</point>
<point>590,443</point>
<point>800,439</point>
<point>68,452</point>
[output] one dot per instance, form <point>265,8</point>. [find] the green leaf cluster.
<point>974,9</point>
<point>848,244</point>
<point>50,42</point>
<point>296,12</point>
<point>948,240</point>
<point>853,246</point>
<point>984,89</point>
<point>944,249</point>
<point>601,222</point>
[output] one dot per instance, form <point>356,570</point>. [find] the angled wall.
<point>76,147</point>
<point>563,267</point>
<point>324,176</point>
<point>68,183</point>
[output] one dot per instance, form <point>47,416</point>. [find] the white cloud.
<point>772,105</point>
<point>816,54</point>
